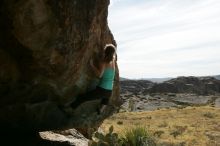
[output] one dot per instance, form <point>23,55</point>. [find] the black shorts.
<point>104,94</point>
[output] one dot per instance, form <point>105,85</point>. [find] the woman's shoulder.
<point>110,65</point>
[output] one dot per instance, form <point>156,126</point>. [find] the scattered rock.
<point>71,136</point>
<point>217,102</point>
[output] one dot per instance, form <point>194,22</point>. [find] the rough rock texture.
<point>45,47</point>
<point>68,137</point>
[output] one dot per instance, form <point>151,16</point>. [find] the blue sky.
<point>166,38</point>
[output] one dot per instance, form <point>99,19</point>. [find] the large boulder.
<point>45,47</point>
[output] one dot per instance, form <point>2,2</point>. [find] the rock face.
<point>45,47</point>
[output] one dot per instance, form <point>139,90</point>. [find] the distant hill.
<point>123,79</point>
<point>217,77</point>
<point>161,80</point>
<point>190,84</point>
<point>157,80</point>
<point>183,84</point>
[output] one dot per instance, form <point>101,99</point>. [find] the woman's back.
<point>107,78</point>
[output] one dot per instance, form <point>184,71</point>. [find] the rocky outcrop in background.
<point>198,85</point>
<point>191,84</point>
<point>144,95</point>
<point>45,47</point>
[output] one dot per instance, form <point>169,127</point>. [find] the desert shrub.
<point>120,122</point>
<point>138,136</point>
<point>109,139</point>
<point>178,131</point>
<point>175,133</point>
<point>148,117</point>
<point>158,133</point>
<point>209,115</point>
<point>164,124</point>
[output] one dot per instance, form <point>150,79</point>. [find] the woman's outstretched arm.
<point>98,72</point>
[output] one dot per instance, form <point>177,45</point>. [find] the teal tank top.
<point>107,78</point>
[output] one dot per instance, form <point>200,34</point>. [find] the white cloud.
<point>159,38</point>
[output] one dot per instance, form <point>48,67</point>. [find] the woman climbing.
<point>106,72</point>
